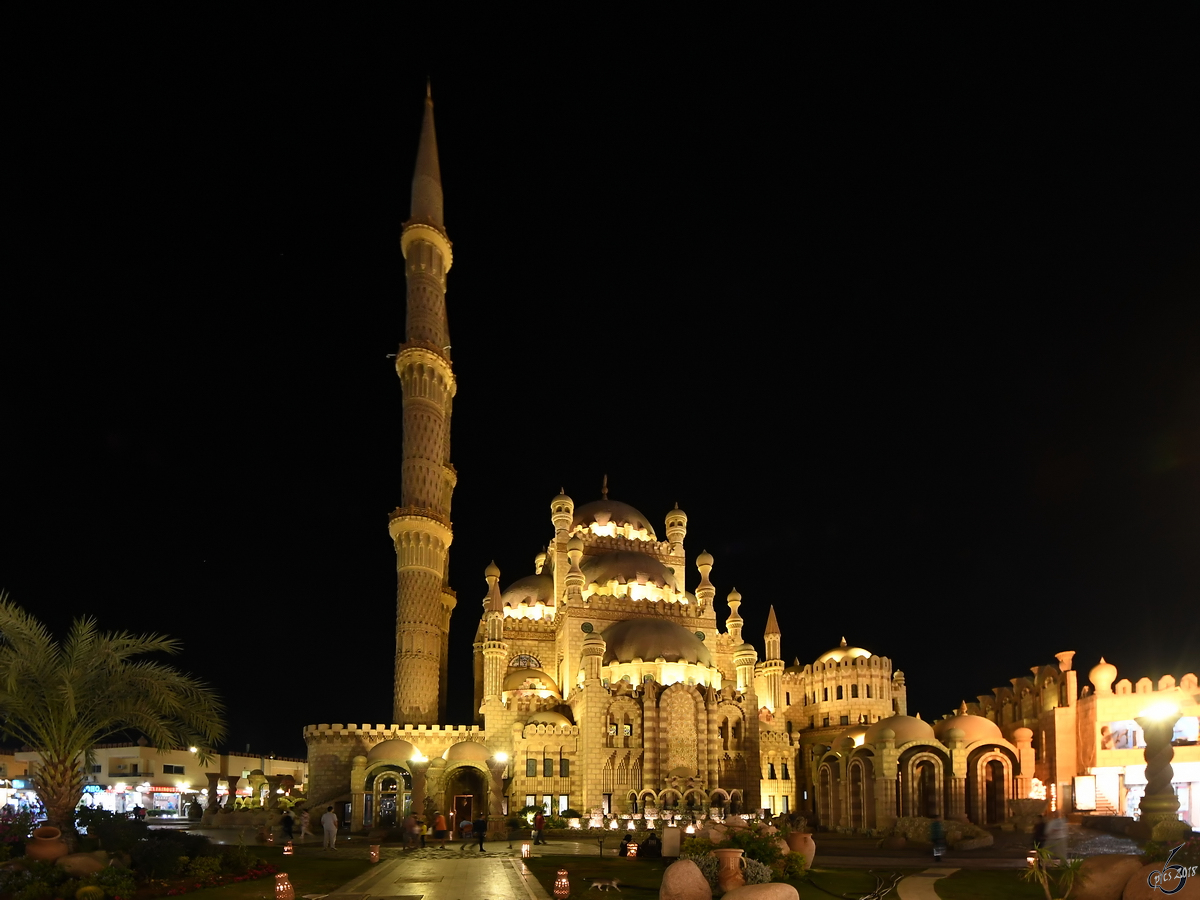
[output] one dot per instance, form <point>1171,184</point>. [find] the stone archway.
<point>989,786</point>
<point>464,795</point>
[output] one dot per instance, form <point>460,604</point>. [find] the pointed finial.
<point>772,623</point>
<point>677,504</point>
<point>843,640</point>
<point>604,487</point>
<point>428,89</point>
<point>962,709</point>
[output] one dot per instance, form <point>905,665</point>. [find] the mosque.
<point>604,685</point>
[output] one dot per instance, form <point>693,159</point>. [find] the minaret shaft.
<point>420,528</point>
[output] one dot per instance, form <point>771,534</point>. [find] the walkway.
<point>920,885</point>
<point>442,878</point>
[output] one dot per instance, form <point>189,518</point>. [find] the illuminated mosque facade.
<point>603,684</point>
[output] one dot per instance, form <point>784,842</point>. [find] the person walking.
<point>479,827</point>
<point>539,824</point>
<point>305,825</point>
<point>329,823</point>
<point>289,825</point>
<point>937,834</point>
<point>439,829</point>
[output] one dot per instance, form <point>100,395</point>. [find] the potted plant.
<point>798,839</point>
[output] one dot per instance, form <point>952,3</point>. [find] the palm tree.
<point>63,698</point>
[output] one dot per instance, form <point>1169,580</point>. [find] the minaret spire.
<point>427,173</point>
<point>420,527</point>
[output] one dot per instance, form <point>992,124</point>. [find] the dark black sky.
<point>914,340</point>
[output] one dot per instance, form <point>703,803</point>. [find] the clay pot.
<point>732,866</point>
<point>802,843</point>
<point>46,845</point>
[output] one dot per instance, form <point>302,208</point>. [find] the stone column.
<point>496,795</point>
<point>1159,805</point>
<point>214,780</point>
<point>417,770</point>
<point>272,787</point>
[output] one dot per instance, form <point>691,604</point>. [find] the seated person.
<point>650,847</point>
<point>623,850</point>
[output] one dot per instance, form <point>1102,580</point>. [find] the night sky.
<point>917,348</point>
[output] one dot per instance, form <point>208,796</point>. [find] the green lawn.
<point>308,875</point>
<point>987,884</point>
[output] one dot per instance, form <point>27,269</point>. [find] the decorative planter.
<point>732,865</point>
<point>802,843</point>
<point>46,844</point>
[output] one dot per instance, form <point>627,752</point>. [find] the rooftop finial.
<point>604,487</point>
<point>427,174</point>
<point>843,640</point>
<point>428,88</point>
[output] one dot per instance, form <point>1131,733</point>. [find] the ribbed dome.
<point>974,728</point>
<point>528,680</point>
<point>529,589</point>
<point>906,728</point>
<point>602,512</point>
<point>626,566</point>
<point>649,639</point>
<point>395,749</point>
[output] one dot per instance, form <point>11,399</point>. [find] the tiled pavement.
<point>444,877</point>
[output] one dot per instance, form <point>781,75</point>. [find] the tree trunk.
<point>60,785</point>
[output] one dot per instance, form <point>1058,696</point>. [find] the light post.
<point>1159,806</point>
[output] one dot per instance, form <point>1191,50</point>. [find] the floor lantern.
<point>374,853</point>
<point>288,849</point>
<point>526,849</point>
<point>632,850</point>
<point>562,884</point>
<point>283,887</point>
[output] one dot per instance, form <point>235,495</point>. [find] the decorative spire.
<point>843,640</point>
<point>604,487</point>
<point>772,624</point>
<point>427,173</point>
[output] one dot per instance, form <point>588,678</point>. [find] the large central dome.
<point>611,512</point>
<point>648,639</point>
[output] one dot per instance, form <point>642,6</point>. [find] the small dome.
<point>467,750</point>
<point>530,590</point>
<point>974,728</point>
<point>648,639</point>
<point>905,729</point>
<point>1102,676</point>
<point>395,749</point>
<point>626,567</point>
<point>837,654</point>
<point>704,559</point>
<point>523,679</point>
<point>606,511</point>
<point>492,570</point>
<point>548,717</point>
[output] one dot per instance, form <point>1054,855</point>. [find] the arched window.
<point>839,692</point>
<point>854,692</point>
<point>525,661</point>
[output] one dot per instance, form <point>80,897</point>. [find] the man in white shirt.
<point>329,822</point>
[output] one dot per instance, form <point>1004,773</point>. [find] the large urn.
<point>46,844</point>
<point>802,842</point>
<point>732,865</point>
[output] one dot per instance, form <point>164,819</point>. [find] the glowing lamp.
<point>632,851</point>
<point>283,887</point>
<point>612,824</point>
<point>562,884</point>
<point>691,829</point>
<point>501,756</point>
<point>374,853</point>
<point>288,849</point>
<point>1163,709</point>
<point>526,849</point>
<point>631,824</point>
<point>192,749</point>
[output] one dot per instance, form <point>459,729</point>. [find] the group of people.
<point>417,831</point>
<point>650,848</point>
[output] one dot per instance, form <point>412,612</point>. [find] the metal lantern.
<point>632,852</point>
<point>374,853</point>
<point>562,885</point>
<point>526,849</point>
<point>288,849</point>
<point>283,887</point>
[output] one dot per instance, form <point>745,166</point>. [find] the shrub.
<point>572,814</point>
<point>166,854</point>
<point>757,843</point>
<point>237,860</point>
<point>204,867</point>
<point>1188,853</point>
<point>757,873</point>
<point>15,826</point>
<point>696,846</point>
<point>90,892</point>
<point>114,881</point>
<point>789,867</point>
<point>116,833</point>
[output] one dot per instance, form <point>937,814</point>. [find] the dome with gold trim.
<point>626,567</point>
<point>526,679</point>
<point>529,590</point>
<point>837,654</point>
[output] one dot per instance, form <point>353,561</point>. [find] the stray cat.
<point>607,883</point>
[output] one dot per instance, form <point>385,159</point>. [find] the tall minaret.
<point>420,527</point>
